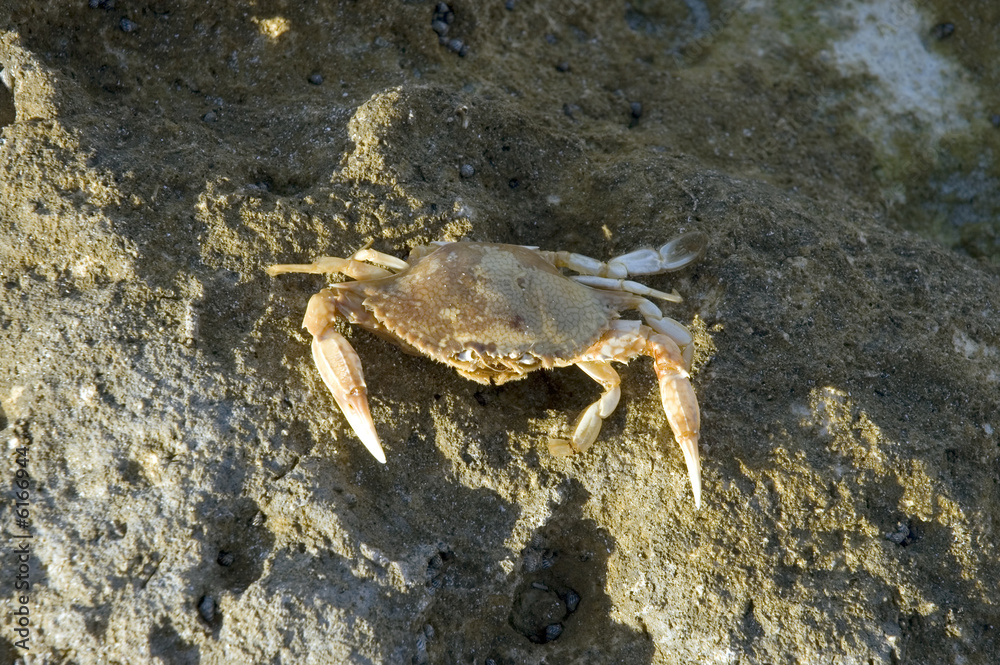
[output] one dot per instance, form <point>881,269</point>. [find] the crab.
<point>499,312</point>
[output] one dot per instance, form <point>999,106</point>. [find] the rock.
<point>197,497</point>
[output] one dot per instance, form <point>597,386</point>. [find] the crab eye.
<point>465,356</point>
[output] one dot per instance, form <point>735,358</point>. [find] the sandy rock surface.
<point>196,497</point>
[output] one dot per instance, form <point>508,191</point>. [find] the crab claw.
<point>679,404</point>
<point>339,365</point>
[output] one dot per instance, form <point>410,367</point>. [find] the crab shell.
<point>497,312</point>
<point>493,312</point>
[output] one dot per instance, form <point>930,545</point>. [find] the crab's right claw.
<point>339,365</point>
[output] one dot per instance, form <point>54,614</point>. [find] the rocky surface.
<point>197,498</point>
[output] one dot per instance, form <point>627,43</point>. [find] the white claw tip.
<point>689,446</point>
<point>373,445</point>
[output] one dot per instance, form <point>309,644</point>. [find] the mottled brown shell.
<point>502,302</point>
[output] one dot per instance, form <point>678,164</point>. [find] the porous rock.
<point>197,497</point>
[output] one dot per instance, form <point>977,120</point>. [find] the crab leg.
<point>664,324</point>
<point>667,326</point>
<point>627,285</point>
<point>676,254</point>
<point>624,341</point>
<point>388,260</point>
<point>331,265</point>
<point>357,267</point>
<point>339,365</point>
<point>588,424</point>
<point>682,251</point>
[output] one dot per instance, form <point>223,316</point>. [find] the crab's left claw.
<point>339,365</point>
<point>679,403</point>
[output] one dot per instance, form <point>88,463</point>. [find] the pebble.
<point>206,609</point>
<point>943,31</point>
<point>440,23</point>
